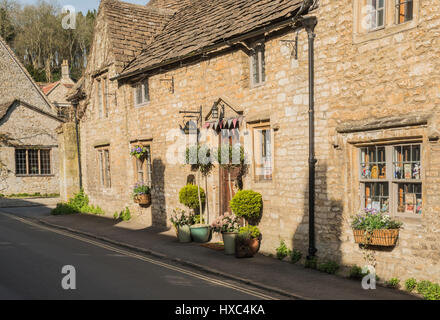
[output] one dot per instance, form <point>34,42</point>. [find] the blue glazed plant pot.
<point>229,242</point>
<point>184,234</point>
<point>201,233</point>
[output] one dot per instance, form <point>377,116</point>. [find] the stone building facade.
<point>377,142</point>
<point>28,141</point>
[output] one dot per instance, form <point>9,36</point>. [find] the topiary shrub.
<point>189,197</point>
<point>247,204</point>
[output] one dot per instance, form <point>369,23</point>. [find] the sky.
<point>80,5</point>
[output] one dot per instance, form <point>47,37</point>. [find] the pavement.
<point>260,272</point>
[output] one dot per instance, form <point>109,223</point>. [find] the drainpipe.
<point>75,107</point>
<point>309,25</point>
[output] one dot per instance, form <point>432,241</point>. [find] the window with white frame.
<point>391,178</point>
<point>141,93</point>
<point>32,162</point>
<point>258,64</point>
<point>376,14</point>
<point>404,11</point>
<point>263,162</point>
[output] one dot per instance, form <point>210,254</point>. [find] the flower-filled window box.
<point>372,227</point>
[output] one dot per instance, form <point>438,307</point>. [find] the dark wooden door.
<point>226,183</point>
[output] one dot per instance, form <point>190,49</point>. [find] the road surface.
<point>32,257</point>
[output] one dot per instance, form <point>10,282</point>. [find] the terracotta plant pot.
<point>144,199</point>
<point>184,234</point>
<point>201,233</point>
<point>382,237</point>
<point>246,248</point>
<point>229,242</point>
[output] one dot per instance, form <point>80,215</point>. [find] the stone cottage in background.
<point>57,92</point>
<point>377,85</point>
<point>28,140</point>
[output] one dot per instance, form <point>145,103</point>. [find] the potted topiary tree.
<point>193,197</point>
<point>248,204</point>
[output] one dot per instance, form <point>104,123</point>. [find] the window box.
<point>383,237</point>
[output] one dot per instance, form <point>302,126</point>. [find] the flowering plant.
<point>138,151</point>
<point>141,188</point>
<point>226,223</point>
<point>371,219</point>
<point>181,218</point>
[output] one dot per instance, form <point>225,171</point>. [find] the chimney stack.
<point>65,74</point>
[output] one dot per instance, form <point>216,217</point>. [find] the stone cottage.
<point>57,92</point>
<point>239,69</point>
<point>28,140</point>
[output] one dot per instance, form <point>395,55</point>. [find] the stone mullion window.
<point>32,162</point>
<point>377,14</point>
<point>143,168</point>
<point>258,64</point>
<point>391,178</point>
<point>104,167</point>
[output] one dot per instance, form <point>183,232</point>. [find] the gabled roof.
<point>6,106</point>
<point>205,23</point>
<point>131,27</point>
<point>26,73</point>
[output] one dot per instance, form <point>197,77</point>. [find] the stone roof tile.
<point>204,23</point>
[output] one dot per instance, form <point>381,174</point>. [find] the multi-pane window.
<point>104,166</point>
<point>376,14</point>
<point>144,169</point>
<point>404,11</point>
<point>32,162</point>
<point>391,178</point>
<point>263,161</point>
<point>141,93</point>
<point>258,64</point>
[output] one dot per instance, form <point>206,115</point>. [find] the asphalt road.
<point>32,257</point>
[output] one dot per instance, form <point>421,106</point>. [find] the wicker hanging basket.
<point>143,199</point>
<point>382,237</point>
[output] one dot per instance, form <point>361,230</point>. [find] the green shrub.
<point>283,251</point>
<point>393,283</point>
<point>63,208</point>
<point>356,272</point>
<point>429,290</point>
<point>78,204</point>
<point>410,284</point>
<point>124,215</point>
<point>249,232</point>
<point>189,197</point>
<point>295,256</point>
<point>247,204</point>
<point>311,263</point>
<point>330,267</point>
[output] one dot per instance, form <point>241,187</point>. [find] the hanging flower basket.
<point>139,151</point>
<point>143,199</point>
<point>381,237</point>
